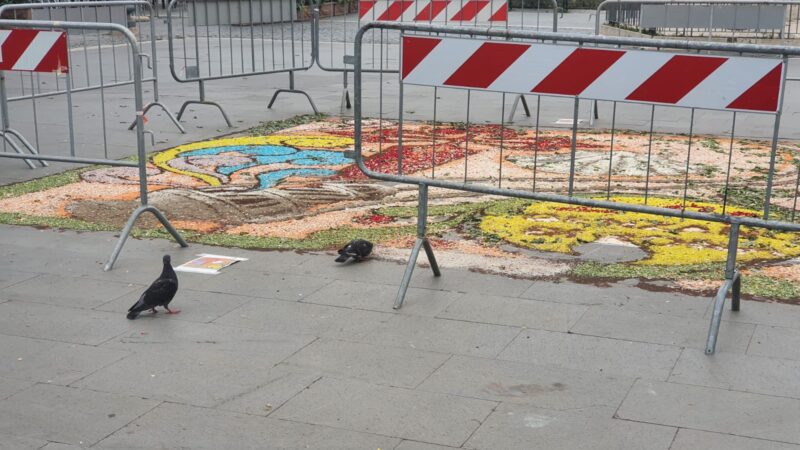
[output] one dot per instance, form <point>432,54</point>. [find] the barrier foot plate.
<point>293,91</point>
<point>412,261</point>
<point>129,226</point>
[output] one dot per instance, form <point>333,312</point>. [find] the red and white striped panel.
<point>472,11</point>
<point>33,50</point>
<point>708,82</point>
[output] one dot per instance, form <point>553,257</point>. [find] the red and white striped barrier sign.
<point>472,11</point>
<point>709,82</point>
<point>33,51</point>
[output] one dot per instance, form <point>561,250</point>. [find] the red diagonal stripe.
<point>469,10</point>
<point>763,95</point>
<point>15,45</point>
<point>431,10</point>
<point>676,78</point>
<point>364,6</point>
<point>395,10</point>
<point>501,15</point>
<point>415,49</point>
<point>487,63</point>
<point>578,71</point>
<point>55,60</point>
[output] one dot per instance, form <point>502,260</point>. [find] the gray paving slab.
<point>304,318</point>
<point>738,372</point>
<point>381,297</point>
<point>463,281</point>
<point>593,354</point>
<point>443,335</point>
<point>514,312</point>
<point>52,362</point>
<point>775,342</point>
<point>670,303</point>
<point>524,427</point>
<point>68,415</point>
<point>58,323</point>
<point>763,313</point>
<point>687,439</point>
<point>59,446</point>
<point>537,385</point>
<point>661,329</point>
<point>283,383</point>
<point>414,445</point>
<point>10,277</point>
<point>9,442</point>
<point>434,418</point>
<point>75,292</point>
<point>374,271</point>
<point>257,283</point>
<point>709,409</point>
<point>180,426</point>
<point>580,294</point>
<point>9,386</point>
<point>403,367</point>
<point>194,306</point>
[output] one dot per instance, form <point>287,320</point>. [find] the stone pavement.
<point>291,350</point>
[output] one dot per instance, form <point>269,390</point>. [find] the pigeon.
<point>160,293</point>
<point>357,249</point>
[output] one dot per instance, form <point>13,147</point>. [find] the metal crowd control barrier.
<point>337,33</point>
<point>83,48</point>
<point>612,69</point>
<point>223,39</point>
<point>41,46</point>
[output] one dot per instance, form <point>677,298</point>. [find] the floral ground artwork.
<point>294,185</point>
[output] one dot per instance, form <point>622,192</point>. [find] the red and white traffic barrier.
<point>709,82</point>
<point>439,11</point>
<point>33,50</point>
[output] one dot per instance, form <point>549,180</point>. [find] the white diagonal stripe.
<point>531,67</point>
<point>627,74</point>
<point>728,82</point>
<point>442,61</point>
<point>36,51</point>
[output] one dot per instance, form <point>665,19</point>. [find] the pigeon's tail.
<point>343,257</point>
<point>132,315</point>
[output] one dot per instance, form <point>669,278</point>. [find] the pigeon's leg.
<point>154,310</point>
<point>172,311</point>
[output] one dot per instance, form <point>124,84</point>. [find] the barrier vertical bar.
<point>572,147</point>
<point>775,132</point>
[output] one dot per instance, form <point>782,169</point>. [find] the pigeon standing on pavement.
<point>357,249</point>
<point>160,293</point>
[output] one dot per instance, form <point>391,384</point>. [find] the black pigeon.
<point>159,293</point>
<point>357,249</point>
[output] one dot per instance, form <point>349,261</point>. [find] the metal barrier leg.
<point>17,149</point>
<point>422,241</point>
<point>345,95</point>
<point>292,90</point>
<point>129,226</point>
<point>167,111</point>
<point>203,101</point>
<point>733,281</point>
<point>519,99</point>
<point>5,135</point>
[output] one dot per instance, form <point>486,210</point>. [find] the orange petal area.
<point>52,202</point>
<point>199,226</point>
<point>303,228</point>
<point>783,272</point>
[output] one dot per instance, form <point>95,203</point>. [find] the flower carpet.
<point>299,188</point>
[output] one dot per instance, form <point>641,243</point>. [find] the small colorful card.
<point>208,264</point>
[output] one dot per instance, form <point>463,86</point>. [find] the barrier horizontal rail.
<point>213,40</point>
<point>114,74</point>
<point>486,62</point>
<point>59,65</point>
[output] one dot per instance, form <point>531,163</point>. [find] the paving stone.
<point>52,362</point>
<point>514,311</point>
<point>592,354</point>
<point>372,363</point>
<point>775,342</point>
<point>694,439</point>
<point>737,372</point>
<point>661,329</point>
<point>194,306</point>
<point>77,326</point>
<point>763,313</point>
<point>203,373</point>
<point>9,387</point>
<point>305,318</point>
<point>381,297</point>
<point>579,294</point>
<point>718,410</point>
<point>414,445</point>
<point>252,283</point>
<point>283,384</point>
<point>180,426</point>
<point>75,292</point>
<point>670,303</point>
<point>465,281</point>
<point>442,335</point>
<point>10,277</point>
<point>375,271</point>
<point>9,442</point>
<point>68,415</point>
<point>354,405</point>
<point>57,446</point>
<point>524,427</point>
<point>514,382</point>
